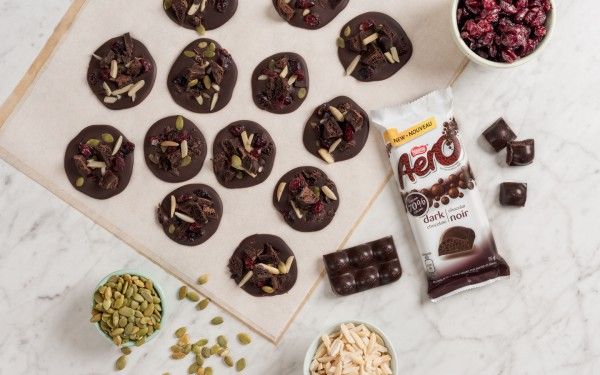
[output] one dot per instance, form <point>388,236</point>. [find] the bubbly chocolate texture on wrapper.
<point>363,267</point>
<point>99,161</point>
<point>264,265</point>
<point>440,195</point>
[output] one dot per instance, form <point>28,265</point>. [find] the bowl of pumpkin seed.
<point>128,308</point>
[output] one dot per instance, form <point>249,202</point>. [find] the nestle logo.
<point>418,150</point>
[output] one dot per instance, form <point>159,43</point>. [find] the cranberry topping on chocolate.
<point>503,30</point>
<point>191,214</point>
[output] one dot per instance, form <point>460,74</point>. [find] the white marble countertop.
<point>544,320</point>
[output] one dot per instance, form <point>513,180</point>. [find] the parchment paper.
<point>58,104</point>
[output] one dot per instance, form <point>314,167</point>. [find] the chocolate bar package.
<point>440,195</point>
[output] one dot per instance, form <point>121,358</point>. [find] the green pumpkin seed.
<point>93,142</point>
<point>79,182</point>
<point>244,338</point>
<point>240,364</point>
<point>212,47</point>
<point>215,349</point>
<point>180,332</point>
<point>347,31</point>
<point>201,30</point>
<point>222,340</point>
<point>208,371</point>
<point>271,64</point>
<point>205,352</point>
<point>167,4</point>
<point>202,304</point>
<point>200,360</point>
<point>203,279</point>
<point>182,292</point>
<point>190,54</point>
<point>121,363</point>
<point>302,93</point>
<point>193,368</point>
<point>192,83</point>
<point>209,54</point>
<point>171,229</point>
<point>236,162</point>
<point>108,138</point>
<point>201,342</point>
<point>126,350</point>
<point>340,42</point>
<point>228,361</point>
<point>202,45</point>
<point>192,296</point>
<point>216,321</point>
<point>185,161</point>
<point>179,123</point>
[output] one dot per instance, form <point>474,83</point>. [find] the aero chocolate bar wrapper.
<point>440,195</point>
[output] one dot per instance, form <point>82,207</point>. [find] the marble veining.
<point>544,320</point>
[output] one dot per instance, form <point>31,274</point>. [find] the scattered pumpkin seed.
<point>203,279</point>
<point>244,338</point>
<point>108,138</point>
<point>205,352</point>
<point>202,304</point>
<point>182,292</point>
<point>216,321</point>
<point>267,289</point>
<point>180,332</point>
<point>201,30</point>
<point>202,45</point>
<point>93,142</point>
<point>185,161</point>
<point>236,162</point>
<point>201,342</point>
<point>207,82</point>
<point>190,54</point>
<point>212,47</point>
<point>167,4</point>
<point>209,54</point>
<point>208,371</point>
<point>240,364</point>
<point>179,123</point>
<point>192,83</point>
<point>193,368</point>
<point>126,350</point>
<point>228,361</point>
<point>79,182</point>
<point>192,296</point>
<point>222,340</point>
<point>301,93</point>
<point>347,31</point>
<point>215,349</point>
<point>121,363</point>
<point>171,229</point>
<point>340,42</point>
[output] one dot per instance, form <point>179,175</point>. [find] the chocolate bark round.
<point>261,156</point>
<point>164,165</point>
<point>196,202</point>
<point>191,65</point>
<point>374,65</point>
<point>271,90</point>
<point>134,65</point>
<point>90,144</point>
<point>213,15</point>
<point>243,261</point>
<point>306,210</point>
<point>340,139</point>
<point>320,13</point>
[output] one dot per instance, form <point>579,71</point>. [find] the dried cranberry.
<point>195,228</point>
<point>311,20</point>
<point>300,74</point>
<point>147,65</point>
<point>85,150</point>
<point>348,134</point>
<point>293,65</point>
<point>249,263</point>
<point>318,207</point>
<point>185,198</point>
<point>296,184</point>
<point>304,4</point>
<point>236,131</point>
<point>127,148</point>
<point>259,141</point>
<point>366,25</point>
<point>118,164</point>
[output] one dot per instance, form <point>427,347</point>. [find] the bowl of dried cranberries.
<point>502,33</point>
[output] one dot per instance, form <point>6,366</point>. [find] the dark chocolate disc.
<point>337,130</point>
<point>280,83</point>
<point>373,47</point>
<point>196,214</point>
<point>243,155</point>
<point>99,161</point>
<point>309,14</point>
<point>203,77</point>
<point>306,198</point>
<point>268,257</point>
<point>174,149</point>
<point>121,73</point>
<point>200,15</point>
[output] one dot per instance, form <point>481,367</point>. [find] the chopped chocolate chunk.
<point>306,198</point>
<point>280,83</point>
<point>499,134</point>
<point>243,155</point>
<point>200,15</point>
<point>197,212</point>
<point>93,164</point>
<point>513,194</point>
<point>121,73</point>
<point>175,149</point>
<point>309,14</point>
<point>337,130</point>
<point>373,47</point>
<point>456,240</point>
<point>263,265</point>
<point>519,153</point>
<point>202,79</point>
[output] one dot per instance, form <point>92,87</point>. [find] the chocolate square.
<point>499,134</point>
<point>513,194</point>
<point>519,153</point>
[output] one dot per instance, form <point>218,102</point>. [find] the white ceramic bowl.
<point>317,341</point>
<point>464,48</point>
<point>158,291</point>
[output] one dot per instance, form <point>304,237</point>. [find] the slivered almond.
<point>184,148</point>
<point>353,65</point>
<point>280,189</point>
<point>95,164</point>
<point>117,146</point>
<point>339,116</point>
<point>185,217</point>
<point>394,52</point>
<point>216,87</point>
<point>328,192</point>
<point>96,56</point>
<point>262,77</point>
<point>272,270</point>
<point>245,279</point>
<point>114,69</point>
<point>173,205</point>
<point>194,8</point>
<point>122,90</point>
<point>306,12</point>
<point>106,88</point>
<point>214,100</point>
<point>169,144</point>
<point>110,99</point>
<point>200,100</point>
<point>284,72</point>
<point>335,145</point>
<point>246,141</point>
<point>326,156</point>
<point>135,88</point>
<point>370,39</point>
<point>389,57</point>
<point>288,263</point>
<point>292,79</point>
<point>297,210</point>
<point>203,6</point>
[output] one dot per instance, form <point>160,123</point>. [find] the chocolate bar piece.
<point>456,240</point>
<point>513,194</point>
<point>499,134</point>
<point>520,153</point>
<point>363,267</point>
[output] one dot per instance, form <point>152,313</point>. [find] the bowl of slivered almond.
<point>351,348</point>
